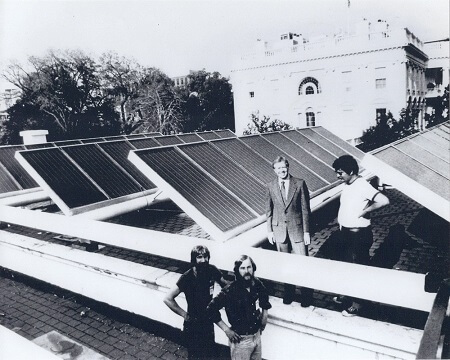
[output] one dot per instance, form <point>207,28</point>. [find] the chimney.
<point>34,136</point>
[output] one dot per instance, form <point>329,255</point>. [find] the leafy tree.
<point>61,92</point>
<point>208,102</point>
<point>388,130</point>
<point>440,110</point>
<point>158,106</point>
<point>120,78</point>
<point>266,124</point>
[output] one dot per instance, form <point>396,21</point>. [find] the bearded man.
<point>247,319</point>
<point>198,286</point>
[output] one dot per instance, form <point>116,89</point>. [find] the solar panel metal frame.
<point>148,141</point>
<point>8,185</point>
<point>190,137</point>
<point>92,140</point>
<point>208,225</point>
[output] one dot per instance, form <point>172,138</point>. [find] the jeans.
<point>248,348</point>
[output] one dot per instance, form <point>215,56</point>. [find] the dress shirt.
<point>286,186</point>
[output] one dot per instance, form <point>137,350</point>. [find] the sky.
<point>181,35</point>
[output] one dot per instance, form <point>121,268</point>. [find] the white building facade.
<point>340,82</point>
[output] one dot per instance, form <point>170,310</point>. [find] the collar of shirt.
<point>286,183</point>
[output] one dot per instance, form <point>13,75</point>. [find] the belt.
<point>248,332</point>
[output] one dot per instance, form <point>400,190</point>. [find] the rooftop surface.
<point>32,308</point>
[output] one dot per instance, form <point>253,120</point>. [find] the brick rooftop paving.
<point>416,255</point>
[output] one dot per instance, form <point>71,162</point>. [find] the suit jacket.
<point>289,216</point>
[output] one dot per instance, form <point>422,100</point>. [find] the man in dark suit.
<point>288,212</point>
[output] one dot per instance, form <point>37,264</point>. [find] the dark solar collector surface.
<point>230,175</point>
<point>309,161</point>
<point>243,155</point>
<point>225,133</point>
<point>119,151</point>
<point>208,135</point>
<point>7,183</point>
<point>8,160</point>
<point>100,168</point>
<point>270,152</point>
<point>189,138</point>
<point>322,141</point>
<point>63,177</point>
<point>168,140</point>
<point>145,143</point>
<point>134,136</point>
<point>152,134</point>
<point>309,146</point>
<point>416,171</point>
<point>356,153</point>
<point>214,202</point>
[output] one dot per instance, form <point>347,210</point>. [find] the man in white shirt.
<point>358,200</point>
<point>288,212</point>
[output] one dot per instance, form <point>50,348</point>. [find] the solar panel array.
<point>423,157</point>
<point>221,183</point>
<point>101,162</point>
<point>14,177</point>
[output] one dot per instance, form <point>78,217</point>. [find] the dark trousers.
<point>306,294</point>
<point>199,339</point>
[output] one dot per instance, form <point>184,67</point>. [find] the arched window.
<point>310,118</point>
<point>307,85</point>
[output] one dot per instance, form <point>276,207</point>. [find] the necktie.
<point>283,190</point>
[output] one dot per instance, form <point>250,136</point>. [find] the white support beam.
<point>392,287</point>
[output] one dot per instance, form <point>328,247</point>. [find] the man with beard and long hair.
<point>240,299</point>
<point>198,286</point>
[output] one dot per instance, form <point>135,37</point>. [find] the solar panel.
<point>190,137</point>
<point>92,140</point>
<point>119,151</point>
<point>309,146</point>
<point>168,140</point>
<point>431,147</point>
<point>225,133</point>
<point>210,199</point>
<point>324,171</point>
<point>236,179</point>
<point>208,135</point>
<point>8,160</point>
<point>433,162</point>
<point>270,152</point>
<point>102,170</point>
<point>7,182</point>
<point>61,176</point>
<point>436,139</point>
<point>145,143</point>
<point>242,154</point>
<point>356,153</point>
<point>416,171</point>
<point>67,142</point>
